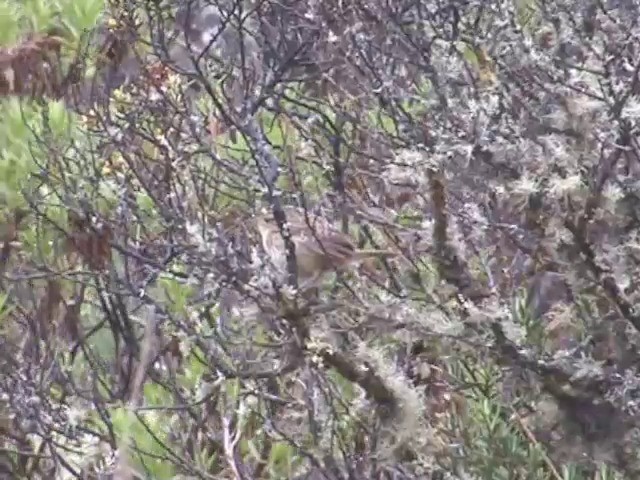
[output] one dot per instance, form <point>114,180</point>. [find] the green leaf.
<point>148,432</point>
<point>59,118</point>
<point>5,308</point>
<point>82,14</point>
<point>281,459</point>
<point>177,293</point>
<point>10,19</point>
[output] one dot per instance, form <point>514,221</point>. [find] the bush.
<point>172,172</point>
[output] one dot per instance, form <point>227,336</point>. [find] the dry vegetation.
<point>491,145</point>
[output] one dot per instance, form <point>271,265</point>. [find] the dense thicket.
<point>491,145</point>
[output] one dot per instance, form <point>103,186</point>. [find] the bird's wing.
<point>335,245</point>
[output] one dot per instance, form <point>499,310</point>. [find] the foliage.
<point>491,145</point>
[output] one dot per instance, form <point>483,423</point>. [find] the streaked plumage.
<point>320,248</point>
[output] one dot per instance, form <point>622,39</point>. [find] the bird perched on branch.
<point>319,247</point>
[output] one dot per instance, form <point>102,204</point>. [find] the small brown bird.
<point>320,248</point>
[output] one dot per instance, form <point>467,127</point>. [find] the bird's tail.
<point>372,253</point>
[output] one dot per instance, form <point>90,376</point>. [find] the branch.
<point>123,470</point>
<point>362,375</point>
<point>451,266</point>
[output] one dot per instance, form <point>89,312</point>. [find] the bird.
<point>320,248</point>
